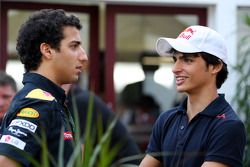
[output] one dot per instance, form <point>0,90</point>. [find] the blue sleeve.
<point>155,142</point>
<point>226,144</point>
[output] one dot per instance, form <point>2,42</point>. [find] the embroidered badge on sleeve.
<point>21,123</point>
<point>28,112</point>
<point>11,140</point>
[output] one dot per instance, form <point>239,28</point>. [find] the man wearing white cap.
<point>204,131</point>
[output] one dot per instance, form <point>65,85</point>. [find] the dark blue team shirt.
<point>215,134</point>
<point>37,108</point>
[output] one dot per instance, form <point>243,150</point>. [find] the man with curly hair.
<point>49,46</point>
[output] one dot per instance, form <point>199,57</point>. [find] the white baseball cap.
<point>192,40</point>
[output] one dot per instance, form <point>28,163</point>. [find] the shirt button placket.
<point>181,131</point>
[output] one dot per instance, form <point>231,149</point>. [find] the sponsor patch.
<point>28,112</point>
<point>16,132</point>
<point>24,124</point>
<point>11,140</point>
<point>68,136</point>
<point>40,94</point>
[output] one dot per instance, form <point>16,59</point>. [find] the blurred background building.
<point>116,32</point>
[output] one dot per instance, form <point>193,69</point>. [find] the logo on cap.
<point>187,33</point>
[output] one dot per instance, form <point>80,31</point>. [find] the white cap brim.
<point>164,45</point>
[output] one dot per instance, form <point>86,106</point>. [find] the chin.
<point>181,90</point>
<point>71,80</point>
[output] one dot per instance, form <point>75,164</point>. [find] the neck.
<point>198,102</point>
<point>46,73</point>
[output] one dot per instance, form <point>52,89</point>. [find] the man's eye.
<point>174,59</point>
<point>74,46</point>
<point>188,60</point>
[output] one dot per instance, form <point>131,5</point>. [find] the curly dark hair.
<point>45,26</point>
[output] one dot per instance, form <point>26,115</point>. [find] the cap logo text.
<point>187,33</point>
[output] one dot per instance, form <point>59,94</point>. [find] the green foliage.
<point>100,155</point>
<point>242,96</point>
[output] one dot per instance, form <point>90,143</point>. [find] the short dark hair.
<point>6,80</point>
<point>45,26</point>
<point>213,60</point>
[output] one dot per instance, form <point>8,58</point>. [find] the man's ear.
<point>216,67</point>
<point>46,50</point>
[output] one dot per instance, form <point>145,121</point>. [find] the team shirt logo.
<point>16,132</point>
<point>28,112</point>
<point>11,140</point>
<point>24,124</point>
<point>222,116</point>
<point>40,94</point>
<point>68,136</point>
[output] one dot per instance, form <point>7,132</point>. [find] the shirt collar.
<point>215,108</point>
<point>45,84</point>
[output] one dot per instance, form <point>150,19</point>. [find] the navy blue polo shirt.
<point>215,134</point>
<point>37,109</point>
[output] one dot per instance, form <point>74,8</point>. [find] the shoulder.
<point>227,123</point>
<point>228,118</point>
<point>32,103</point>
<point>228,129</point>
<point>33,97</point>
<point>33,93</point>
<point>231,126</point>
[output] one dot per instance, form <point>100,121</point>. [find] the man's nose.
<point>83,55</point>
<point>176,67</point>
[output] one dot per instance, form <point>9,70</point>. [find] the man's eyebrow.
<point>76,42</point>
<point>186,55</point>
<point>190,55</point>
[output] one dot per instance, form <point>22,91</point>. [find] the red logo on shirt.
<point>68,136</point>
<point>222,116</point>
<point>8,138</point>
